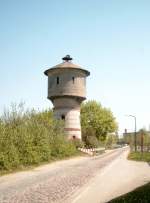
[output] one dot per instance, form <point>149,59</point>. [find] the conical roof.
<point>66,64</point>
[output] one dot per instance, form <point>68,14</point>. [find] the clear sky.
<point>111,38</point>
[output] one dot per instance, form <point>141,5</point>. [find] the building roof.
<point>66,64</point>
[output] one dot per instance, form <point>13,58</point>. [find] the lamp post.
<point>135,144</point>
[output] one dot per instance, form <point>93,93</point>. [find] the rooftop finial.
<point>67,58</point>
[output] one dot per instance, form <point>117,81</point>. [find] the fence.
<point>92,151</point>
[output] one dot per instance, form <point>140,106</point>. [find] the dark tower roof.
<point>67,64</point>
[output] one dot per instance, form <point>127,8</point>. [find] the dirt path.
<point>119,177</point>
<point>57,182</point>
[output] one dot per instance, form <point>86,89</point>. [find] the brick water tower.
<point>67,90</point>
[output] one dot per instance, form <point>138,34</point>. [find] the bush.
<point>89,138</point>
<point>62,147</point>
<point>78,143</point>
<point>30,137</point>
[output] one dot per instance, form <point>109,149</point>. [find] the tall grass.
<point>139,156</point>
<point>31,137</point>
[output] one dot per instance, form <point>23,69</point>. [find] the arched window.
<point>73,80</point>
<point>57,80</point>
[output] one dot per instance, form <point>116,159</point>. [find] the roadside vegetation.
<point>143,145</point>
<point>140,156</point>
<point>30,137</point>
<point>99,126</point>
<point>141,194</point>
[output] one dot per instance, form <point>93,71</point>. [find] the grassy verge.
<point>139,195</point>
<point>138,156</point>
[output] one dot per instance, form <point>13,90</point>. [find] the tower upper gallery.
<point>67,79</point>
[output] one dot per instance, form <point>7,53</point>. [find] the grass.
<point>139,156</point>
<point>139,195</point>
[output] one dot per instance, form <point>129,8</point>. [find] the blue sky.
<point>111,38</point>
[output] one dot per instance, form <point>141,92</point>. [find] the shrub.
<point>78,143</point>
<point>90,138</point>
<point>30,137</point>
<point>62,147</point>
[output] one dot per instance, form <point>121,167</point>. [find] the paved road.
<point>118,178</point>
<point>56,182</point>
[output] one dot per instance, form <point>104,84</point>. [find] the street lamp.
<point>135,144</point>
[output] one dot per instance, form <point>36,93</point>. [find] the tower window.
<point>63,117</point>
<point>73,80</point>
<point>57,80</point>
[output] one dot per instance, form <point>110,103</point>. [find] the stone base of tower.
<point>73,133</point>
<point>72,121</point>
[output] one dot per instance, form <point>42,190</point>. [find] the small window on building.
<point>74,137</point>
<point>63,117</point>
<point>73,80</point>
<point>57,80</point>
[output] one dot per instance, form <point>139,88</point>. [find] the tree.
<point>143,139</point>
<point>111,140</point>
<point>89,138</point>
<point>98,118</point>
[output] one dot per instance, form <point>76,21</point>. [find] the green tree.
<point>97,118</point>
<point>89,138</point>
<point>111,140</point>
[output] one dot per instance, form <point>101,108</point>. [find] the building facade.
<point>67,90</point>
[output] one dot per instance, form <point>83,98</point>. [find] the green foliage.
<point>111,140</point>
<point>89,137</point>
<point>140,156</point>
<point>61,147</point>
<point>30,137</point>
<point>97,122</point>
<point>78,143</point>
<point>140,194</point>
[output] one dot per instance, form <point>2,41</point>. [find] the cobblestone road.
<point>55,182</point>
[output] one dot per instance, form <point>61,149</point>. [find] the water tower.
<point>67,90</point>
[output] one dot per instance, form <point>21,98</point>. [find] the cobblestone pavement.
<point>57,183</point>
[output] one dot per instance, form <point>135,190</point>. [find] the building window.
<point>73,80</point>
<point>57,80</point>
<point>63,117</point>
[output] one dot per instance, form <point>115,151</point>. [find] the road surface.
<point>74,180</point>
